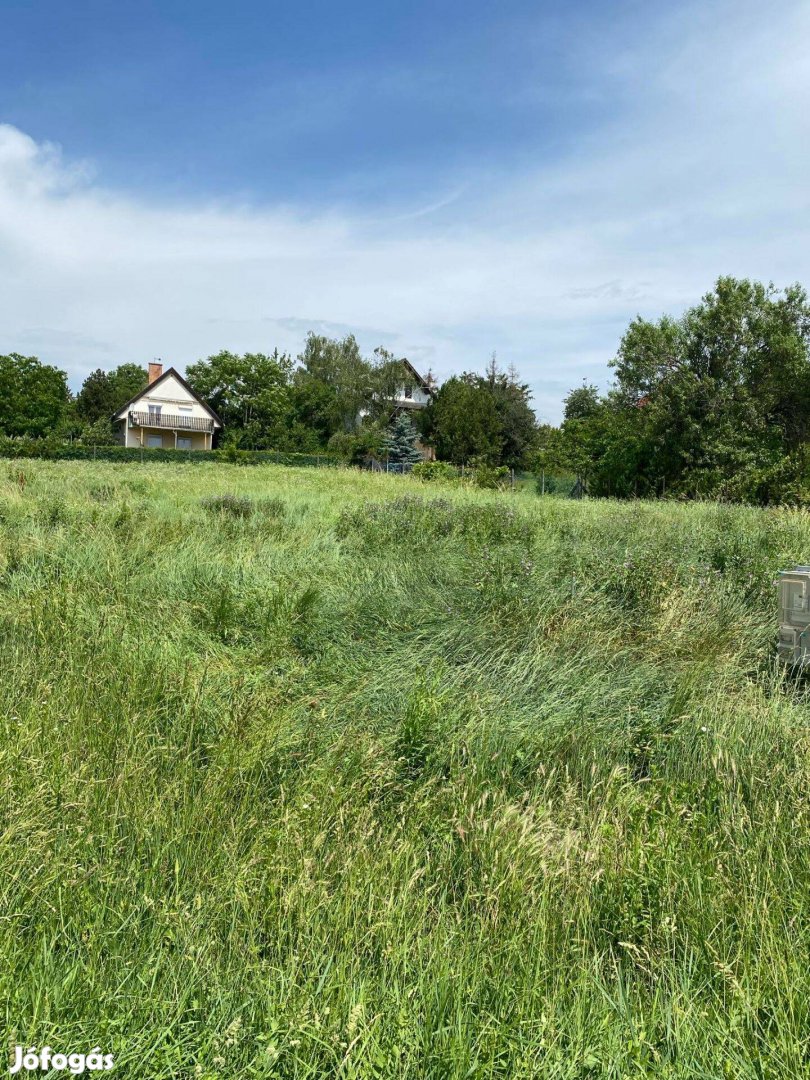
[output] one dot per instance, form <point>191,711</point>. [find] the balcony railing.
<point>169,420</point>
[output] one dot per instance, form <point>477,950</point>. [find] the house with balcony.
<point>414,393</point>
<point>167,415</point>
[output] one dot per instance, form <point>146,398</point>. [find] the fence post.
<point>94,451</point>
<point>543,481</point>
<point>512,480</point>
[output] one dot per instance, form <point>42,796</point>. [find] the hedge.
<point>44,448</point>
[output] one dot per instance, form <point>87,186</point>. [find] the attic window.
<point>408,390</point>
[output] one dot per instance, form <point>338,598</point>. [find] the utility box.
<point>794,615</point>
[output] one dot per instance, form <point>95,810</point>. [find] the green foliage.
<point>415,520</point>
<point>354,447</point>
<point>435,471</point>
<point>555,483</point>
<point>399,445</point>
<point>100,433</point>
<point>250,393</point>
<point>487,417</point>
<point>238,506</point>
<point>34,396</point>
<point>337,378</point>
<point>105,392</point>
<point>489,476</point>
<point>714,404</point>
<point>58,450</point>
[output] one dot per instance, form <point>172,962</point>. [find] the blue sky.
<point>446,179</point>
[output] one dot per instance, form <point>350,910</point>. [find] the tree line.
<point>712,404</point>
<point>330,397</point>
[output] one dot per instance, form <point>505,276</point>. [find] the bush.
<point>490,476</point>
<point>355,446</point>
<point>435,470</point>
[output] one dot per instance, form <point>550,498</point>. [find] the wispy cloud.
<point>699,169</point>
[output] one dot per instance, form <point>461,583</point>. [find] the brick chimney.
<point>155,371</point>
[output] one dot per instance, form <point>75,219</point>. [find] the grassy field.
<point>358,777</point>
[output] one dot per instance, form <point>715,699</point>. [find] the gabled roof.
<point>157,382</point>
<point>422,382</point>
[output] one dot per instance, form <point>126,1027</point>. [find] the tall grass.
<point>347,776</point>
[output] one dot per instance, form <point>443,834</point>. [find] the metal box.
<point>794,615</point>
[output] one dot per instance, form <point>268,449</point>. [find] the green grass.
<point>347,776</point>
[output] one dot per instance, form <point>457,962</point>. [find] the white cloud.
<point>700,170</point>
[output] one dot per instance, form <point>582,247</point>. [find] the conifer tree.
<point>400,442</point>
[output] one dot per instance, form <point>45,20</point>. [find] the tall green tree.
<point>482,416</point>
<point>251,393</point>
<point>518,423</point>
<point>462,421</point>
<point>104,392</point>
<point>34,397</point>
<point>716,402</point>
<point>334,374</point>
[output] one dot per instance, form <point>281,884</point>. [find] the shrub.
<point>490,476</point>
<point>435,470</point>
<point>355,446</point>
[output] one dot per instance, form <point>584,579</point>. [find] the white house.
<point>167,414</point>
<point>415,391</point>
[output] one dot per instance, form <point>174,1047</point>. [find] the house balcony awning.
<point>171,420</point>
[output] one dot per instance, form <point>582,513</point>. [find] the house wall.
<point>169,394</point>
<point>418,396</point>
<point>133,436</point>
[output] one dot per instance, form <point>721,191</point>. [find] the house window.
<point>185,414</point>
<point>154,412</point>
<point>183,444</point>
<point>408,390</point>
<point>155,441</point>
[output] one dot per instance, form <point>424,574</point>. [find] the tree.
<point>462,421</point>
<point>251,393</point>
<point>34,396</point>
<point>104,392</point>
<point>487,417</point>
<point>716,402</point>
<point>400,442</point>
<point>336,375</point>
<point>518,424</point>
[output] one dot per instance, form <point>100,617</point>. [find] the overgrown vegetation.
<point>713,404</point>
<point>374,781</point>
